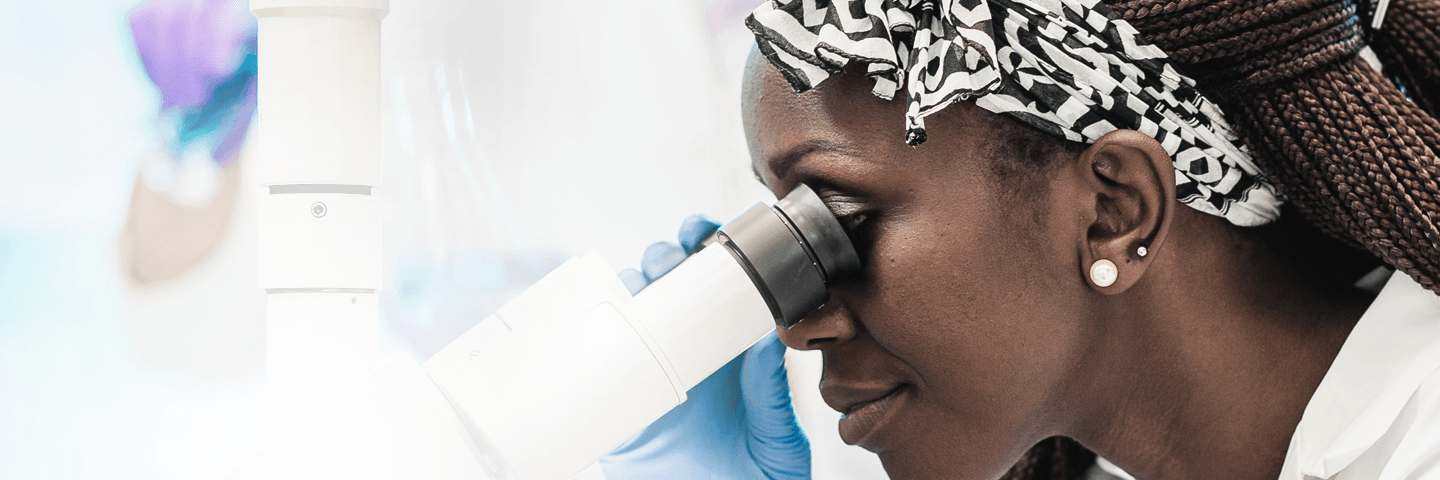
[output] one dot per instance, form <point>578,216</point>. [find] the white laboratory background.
<point>515,135</point>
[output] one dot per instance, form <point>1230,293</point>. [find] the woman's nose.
<point>828,325</point>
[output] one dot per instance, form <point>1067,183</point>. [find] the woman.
<point>1028,272</point>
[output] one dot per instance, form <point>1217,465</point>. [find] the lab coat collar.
<point>1391,351</point>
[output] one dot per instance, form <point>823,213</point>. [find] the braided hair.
<point>1354,152</point>
<point>1350,151</point>
<point>1058,458</point>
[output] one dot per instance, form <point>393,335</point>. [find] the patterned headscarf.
<point>1067,67</point>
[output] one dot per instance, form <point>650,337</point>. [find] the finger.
<point>694,230</point>
<point>659,258</point>
<point>633,280</point>
<point>777,444</point>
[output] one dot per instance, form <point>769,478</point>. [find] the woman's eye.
<point>850,213</point>
<point>857,216</point>
<point>852,222</point>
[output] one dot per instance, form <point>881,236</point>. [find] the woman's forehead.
<point>837,116</point>
<point>840,117</point>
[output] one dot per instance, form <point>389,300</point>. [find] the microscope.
<point>541,389</point>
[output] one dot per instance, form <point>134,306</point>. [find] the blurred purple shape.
<point>189,47</point>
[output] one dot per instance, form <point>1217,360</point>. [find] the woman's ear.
<point>1132,180</point>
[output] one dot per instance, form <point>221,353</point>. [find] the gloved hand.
<point>201,55</point>
<point>191,46</point>
<point>737,424</point>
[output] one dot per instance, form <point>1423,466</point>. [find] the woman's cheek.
<point>908,303</point>
<point>933,300</point>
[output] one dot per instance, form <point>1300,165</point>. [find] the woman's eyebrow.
<point>784,162</point>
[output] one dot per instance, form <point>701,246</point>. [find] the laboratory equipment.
<point>575,365</point>
<point>319,223</point>
<point>540,390</point>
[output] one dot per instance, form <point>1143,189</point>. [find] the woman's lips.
<point>865,411</point>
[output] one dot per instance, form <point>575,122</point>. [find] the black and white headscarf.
<point>1067,67</point>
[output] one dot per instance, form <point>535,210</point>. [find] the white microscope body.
<point>319,224</point>
<point>574,365</point>
<point>538,391</point>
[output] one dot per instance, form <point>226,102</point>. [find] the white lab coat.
<point>1376,414</point>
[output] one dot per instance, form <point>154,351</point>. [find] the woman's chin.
<point>919,446</point>
<point>911,465</point>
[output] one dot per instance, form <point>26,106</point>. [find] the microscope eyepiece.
<point>577,334</point>
<point>791,251</point>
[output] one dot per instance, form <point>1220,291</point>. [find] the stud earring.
<point>1103,273</point>
<point>1142,251</point>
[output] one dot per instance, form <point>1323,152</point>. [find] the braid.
<point>1054,458</point>
<point>1410,38</point>
<point>1351,153</point>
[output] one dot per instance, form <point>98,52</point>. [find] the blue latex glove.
<point>737,424</point>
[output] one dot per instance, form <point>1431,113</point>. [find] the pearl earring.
<point>1103,273</point>
<point>1142,251</point>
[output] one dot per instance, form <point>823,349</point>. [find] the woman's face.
<point>947,353</point>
